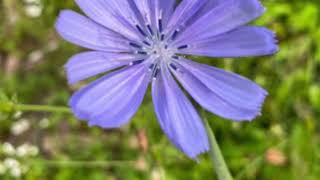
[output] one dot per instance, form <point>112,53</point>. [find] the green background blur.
<point>282,144</point>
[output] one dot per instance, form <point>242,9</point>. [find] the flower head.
<point>143,41</point>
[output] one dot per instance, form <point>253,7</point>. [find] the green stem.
<point>41,108</point>
<point>219,163</point>
<point>83,164</point>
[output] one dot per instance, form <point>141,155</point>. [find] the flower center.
<point>161,50</point>
<point>157,48</point>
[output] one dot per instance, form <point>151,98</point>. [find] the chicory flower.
<point>144,41</point>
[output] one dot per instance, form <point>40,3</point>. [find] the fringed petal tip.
<point>252,6</point>
<point>271,39</point>
<point>195,153</point>
<point>196,156</point>
<point>261,8</point>
<point>260,102</point>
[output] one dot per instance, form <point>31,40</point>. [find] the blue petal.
<point>164,9</point>
<point>208,6</point>
<point>88,64</point>
<point>177,117</point>
<point>82,31</point>
<point>145,9</point>
<point>152,11</point>
<point>223,93</point>
<point>112,100</point>
<point>116,15</point>
<point>242,42</point>
<point>225,17</point>
<point>185,10</point>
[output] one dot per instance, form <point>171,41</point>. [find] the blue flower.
<point>143,41</point>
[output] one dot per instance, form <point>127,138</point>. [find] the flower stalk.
<point>41,108</point>
<point>11,106</point>
<point>218,161</point>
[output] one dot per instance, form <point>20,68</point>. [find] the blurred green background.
<point>282,144</point>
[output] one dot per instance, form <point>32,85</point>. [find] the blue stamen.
<point>156,72</point>
<point>174,35</point>
<point>183,47</point>
<point>137,62</point>
<point>149,29</point>
<point>135,45</point>
<point>145,42</point>
<point>175,57</point>
<point>160,25</point>
<point>141,31</point>
<point>142,52</point>
<point>151,66</point>
<point>173,66</point>
<point>162,37</point>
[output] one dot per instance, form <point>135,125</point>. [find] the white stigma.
<point>161,50</point>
